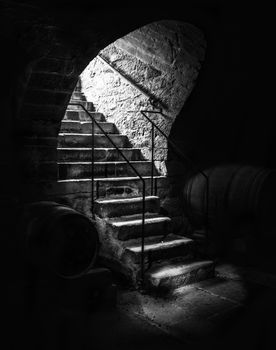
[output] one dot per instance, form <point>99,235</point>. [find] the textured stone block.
<point>100,154</point>
<point>172,275</point>
<point>74,170</point>
<point>108,208</point>
<point>85,140</point>
<point>131,227</point>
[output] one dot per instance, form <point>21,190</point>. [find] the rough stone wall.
<point>163,59</point>
<point>42,60</point>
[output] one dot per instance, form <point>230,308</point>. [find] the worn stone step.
<point>130,227</point>
<point>100,154</point>
<point>159,247</point>
<point>88,105</point>
<point>77,96</point>
<point>173,274</point>
<point>85,140</point>
<point>107,208</point>
<point>77,170</point>
<point>81,115</point>
<point>115,187</point>
<point>85,127</point>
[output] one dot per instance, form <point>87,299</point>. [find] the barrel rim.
<point>49,221</point>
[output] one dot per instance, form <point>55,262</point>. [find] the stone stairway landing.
<point>170,260</point>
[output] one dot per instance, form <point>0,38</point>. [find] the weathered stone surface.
<point>85,140</point>
<point>118,211</point>
<point>131,226</point>
<point>74,113</point>
<point>87,105</point>
<point>100,154</point>
<point>74,170</point>
<point>108,208</point>
<point>171,275</point>
<point>158,248</point>
<point>112,187</point>
<point>76,126</point>
<point>163,58</point>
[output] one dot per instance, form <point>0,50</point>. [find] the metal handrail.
<point>180,153</point>
<point>153,100</point>
<point>155,103</point>
<point>133,168</point>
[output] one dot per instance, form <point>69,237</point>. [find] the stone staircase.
<point>171,260</point>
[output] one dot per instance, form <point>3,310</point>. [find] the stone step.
<point>130,227</point>
<point>108,208</point>
<point>100,154</point>
<point>85,140</point>
<point>77,170</point>
<point>88,105</point>
<point>159,247</point>
<point>77,96</point>
<point>173,274</point>
<point>85,127</point>
<point>83,116</point>
<point>115,187</point>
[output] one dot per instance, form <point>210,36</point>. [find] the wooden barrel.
<point>235,192</point>
<point>59,238</point>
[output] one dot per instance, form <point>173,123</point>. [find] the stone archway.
<point>48,88</point>
<point>162,59</point>
<point>165,60</point>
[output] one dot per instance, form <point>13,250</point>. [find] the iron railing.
<point>154,101</point>
<point>157,104</point>
<point>179,152</point>
<point>94,122</point>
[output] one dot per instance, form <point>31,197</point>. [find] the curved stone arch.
<point>47,90</point>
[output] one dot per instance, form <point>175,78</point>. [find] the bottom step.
<point>173,274</point>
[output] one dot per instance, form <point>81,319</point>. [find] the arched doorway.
<point>149,70</point>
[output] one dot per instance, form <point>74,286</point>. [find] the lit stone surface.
<point>108,208</point>
<point>162,58</point>
<point>118,207</point>
<point>170,275</point>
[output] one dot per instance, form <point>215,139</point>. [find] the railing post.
<point>143,238</point>
<point>92,165</point>
<point>207,208</point>
<point>143,112</point>
<point>152,156</point>
<point>135,171</point>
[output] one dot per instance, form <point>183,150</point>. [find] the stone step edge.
<point>177,268</point>
<point>107,179</point>
<point>96,148</point>
<point>65,121</point>
<point>125,200</point>
<point>107,162</point>
<point>80,134</point>
<point>136,222</point>
<point>156,243</point>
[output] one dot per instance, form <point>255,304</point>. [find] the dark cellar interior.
<point>225,127</point>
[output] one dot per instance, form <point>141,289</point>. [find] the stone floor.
<point>234,310</point>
